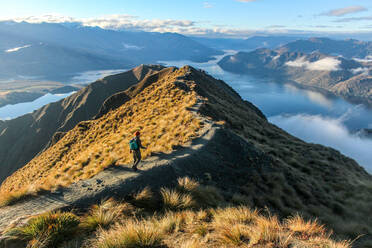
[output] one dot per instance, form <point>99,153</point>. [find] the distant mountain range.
<point>57,51</point>
<point>341,67</point>
<point>349,48</point>
<point>251,43</point>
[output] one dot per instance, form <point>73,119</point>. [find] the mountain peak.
<point>194,125</point>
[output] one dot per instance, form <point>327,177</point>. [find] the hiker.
<point>135,148</point>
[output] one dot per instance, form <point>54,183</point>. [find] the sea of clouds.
<point>325,64</point>
<point>329,132</point>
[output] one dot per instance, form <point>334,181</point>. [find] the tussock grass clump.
<point>105,214</point>
<point>131,234</point>
<point>204,195</point>
<point>47,230</point>
<point>234,215</point>
<point>234,235</point>
<point>174,200</point>
<point>305,229</point>
<point>145,199</point>
<point>11,198</point>
<point>171,222</point>
<point>113,224</point>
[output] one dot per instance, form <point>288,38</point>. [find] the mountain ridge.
<point>64,115</point>
<point>173,108</point>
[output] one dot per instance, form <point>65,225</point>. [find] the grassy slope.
<point>191,215</point>
<point>306,178</point>
<point>95,145</point>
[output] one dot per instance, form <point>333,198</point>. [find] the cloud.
<point>16,49</point>
<point>352,19</point>
<point>328,132</point>
<point>360,70</point>
<point>131,22</point>
<point>276,26</point>
<point>118,21</point>
<point>345,11</point>
<point>325,64</point>
<point>207,5</point>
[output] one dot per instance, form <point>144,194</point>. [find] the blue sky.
<point>225,17</point>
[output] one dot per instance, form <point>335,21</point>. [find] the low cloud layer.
<point>345,11</point>
<point>353,19</point>
<point>360,70</point>
<point>16,49</point>
<point>328,132</point>
<point>325,64</point>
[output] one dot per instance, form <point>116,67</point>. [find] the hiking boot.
<point>134,168</point>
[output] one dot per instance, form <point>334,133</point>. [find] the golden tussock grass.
<point>160,112</point>
<point>113,224</point>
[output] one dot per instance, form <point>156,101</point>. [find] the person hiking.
<point>135,148</point>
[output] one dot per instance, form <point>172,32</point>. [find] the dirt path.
<point>115,181</point>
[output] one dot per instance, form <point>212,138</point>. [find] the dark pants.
<point>136,157</point>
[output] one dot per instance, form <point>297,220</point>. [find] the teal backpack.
<point>133,144</point>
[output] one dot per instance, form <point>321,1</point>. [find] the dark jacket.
<point>139,143</point>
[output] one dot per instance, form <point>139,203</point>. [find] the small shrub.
<point>47,230</point>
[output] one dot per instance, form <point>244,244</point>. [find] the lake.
<point>310,115</point>
<point>12,111</point>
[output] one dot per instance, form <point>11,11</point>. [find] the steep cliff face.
<point>194,125</point>
<point>21,139</point>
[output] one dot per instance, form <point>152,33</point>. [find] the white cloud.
<point>345,11</point>
<point>325,64</point>
<point>207,5</point>
<point>131,47</point>
<point>360,70</point>
<point>329,132</point>
<point>365,60</point>
<point>16,49</point>
<point>352,19</point>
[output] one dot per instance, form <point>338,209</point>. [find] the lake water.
<point>12,111</point>
<point>309,115</point>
